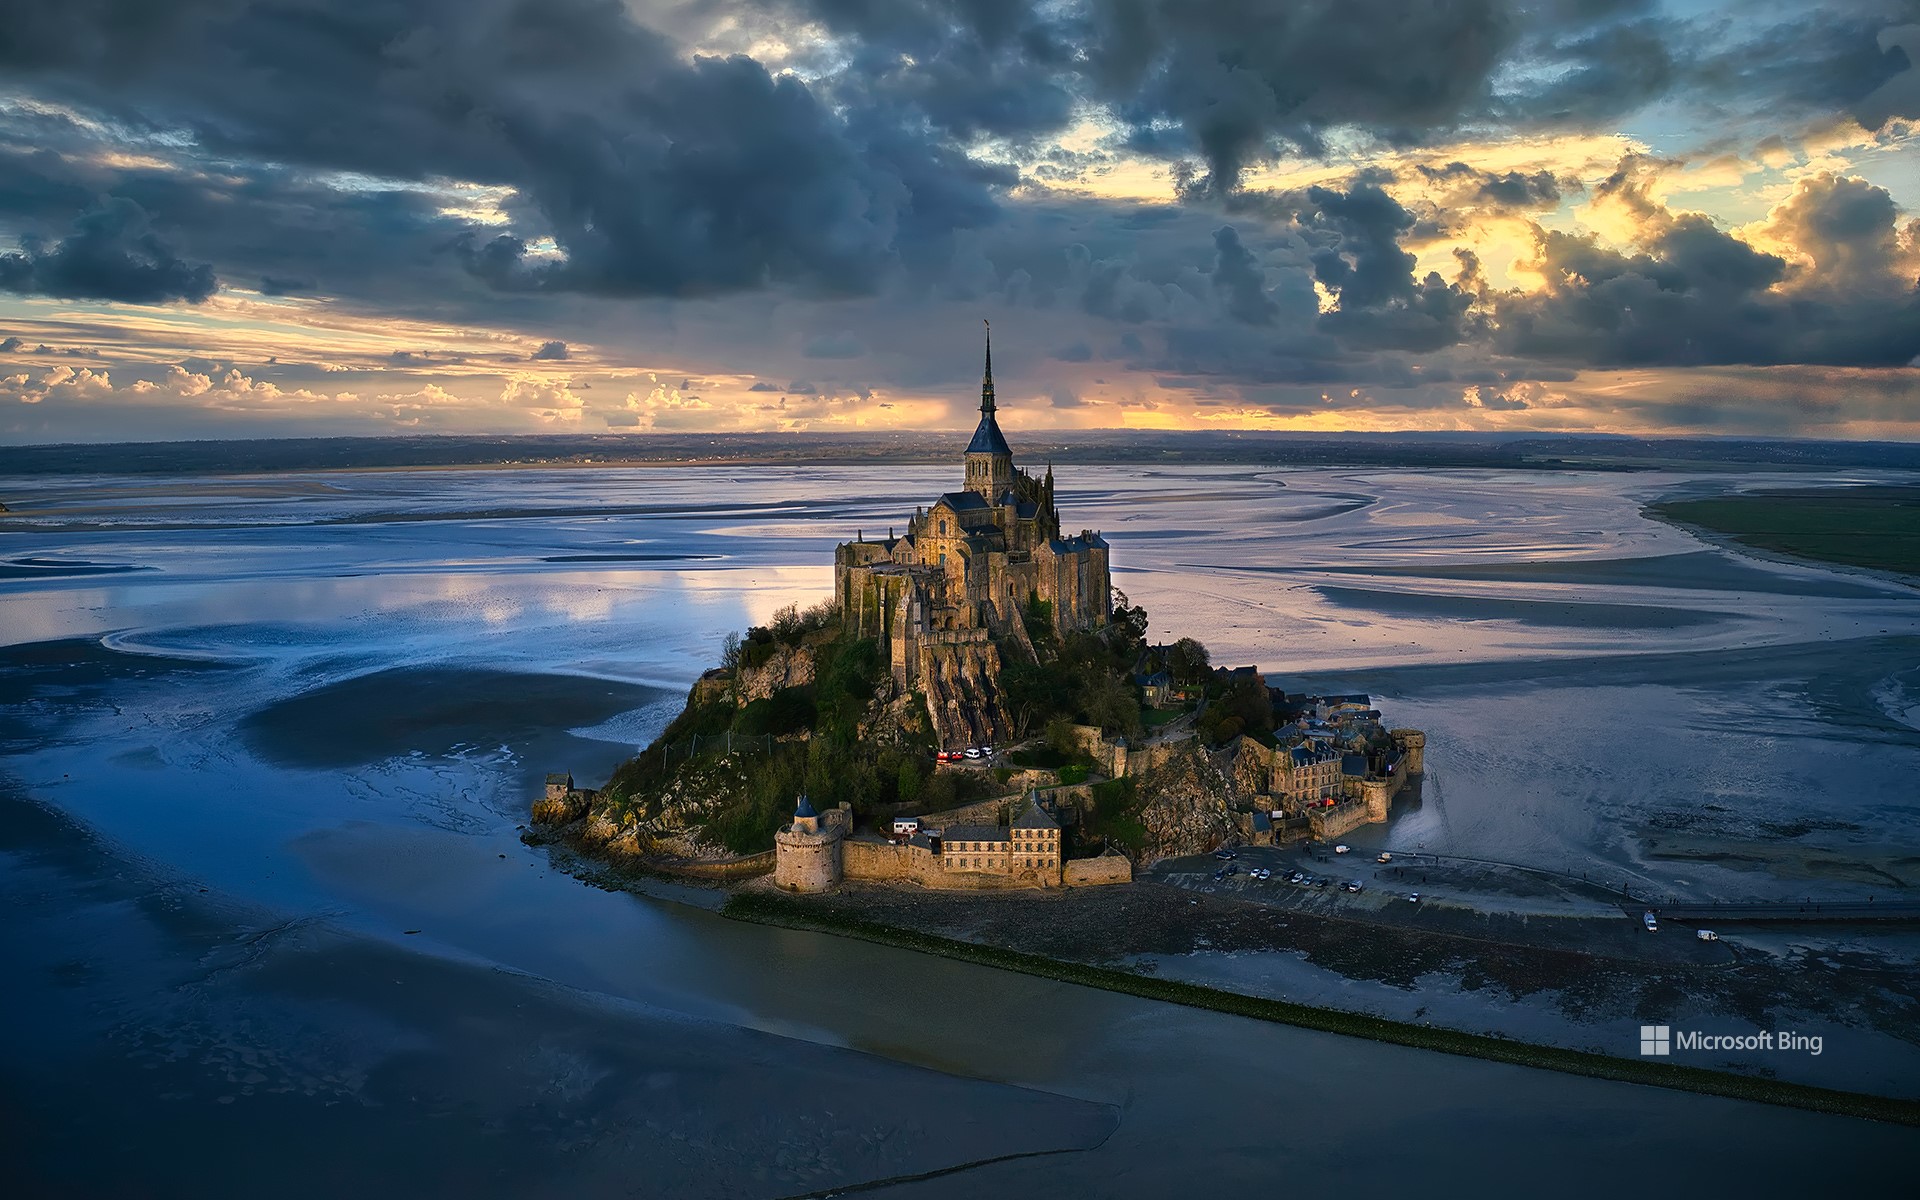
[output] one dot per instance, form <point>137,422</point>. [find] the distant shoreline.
<point>1261,449</point>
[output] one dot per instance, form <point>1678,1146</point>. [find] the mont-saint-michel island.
<point>548,650</point>
<point>977,707</point>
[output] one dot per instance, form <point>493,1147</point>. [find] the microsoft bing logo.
<point>1655,1039</point>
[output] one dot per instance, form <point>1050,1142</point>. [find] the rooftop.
<point>1035,817</point>
<point>987,439</point>
<point>976,833</point>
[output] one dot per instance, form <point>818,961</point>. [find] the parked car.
<point>1707,935</point>
<point>1343,849</point>
<point>1413,897</point>
<point>1296,877</point>
<point>1233,868</point>
<point>1220,874</point>
<point>1355,885</point>
<point>1384,858</point>
<point>1650,921</point>
<point>1225,854</point>
<point>973,752</point>
<point>1262,873</point>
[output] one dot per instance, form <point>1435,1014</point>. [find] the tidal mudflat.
<point>327,700</point>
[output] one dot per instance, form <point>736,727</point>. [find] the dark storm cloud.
<point>279,285</point>
<point>654,175</point>
<point>1359,257</point>
<point>550,352</point>
<point>111,254</point>
<point>1239,279</point>
<point>292,232</point>
<point>834,345</point>
<point>1235,82</point>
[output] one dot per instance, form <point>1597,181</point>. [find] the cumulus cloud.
<point>1513,397</point>
<point>60,383</point>
<point>229,388</point>
<point>1691,293</point>
<point>550,352</point>
<point>111,254</point>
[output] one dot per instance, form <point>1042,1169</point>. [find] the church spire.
<point>986,380</point>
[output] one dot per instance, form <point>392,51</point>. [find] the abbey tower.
<point>962,578</point>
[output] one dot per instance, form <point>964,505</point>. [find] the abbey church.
<point>962,576</point>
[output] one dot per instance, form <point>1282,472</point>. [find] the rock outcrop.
<point>962,684</point>
<point>1187,804</point>
<point>787,667</point>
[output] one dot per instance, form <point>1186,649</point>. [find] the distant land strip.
<point>1255,449</point>
<point>772,909</point>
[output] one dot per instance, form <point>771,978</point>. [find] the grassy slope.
<point>797,914</point>
<point>1877,527</point>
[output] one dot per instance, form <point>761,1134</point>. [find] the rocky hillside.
<point>798,707</point>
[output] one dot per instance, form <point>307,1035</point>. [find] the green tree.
<point>1110,702</point>
<point>1032,694</point>
<point>1188,661</point>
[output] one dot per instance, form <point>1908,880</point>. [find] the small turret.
<point>805,819</point>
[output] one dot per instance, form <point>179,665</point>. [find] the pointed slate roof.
<point>1035,817</point>
<point>987,438</point>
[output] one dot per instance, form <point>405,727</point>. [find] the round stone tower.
<point>807,852</point>
<point>1414,743</point>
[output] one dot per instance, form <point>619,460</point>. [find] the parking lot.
<point>1324,880</point>
<point>1461,885</point>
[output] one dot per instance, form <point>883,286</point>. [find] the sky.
<point>247,218</point>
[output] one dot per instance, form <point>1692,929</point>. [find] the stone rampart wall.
<point>888,862</point>
<point>862,859</point>
<point>732,868</point>
<point>1337,821</point>
<point>1094,872</point>
<point>980,812</point>
<point>1158,754</point>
